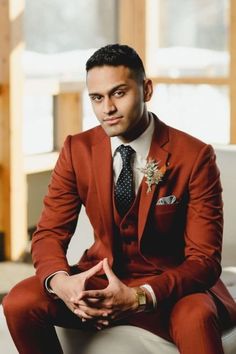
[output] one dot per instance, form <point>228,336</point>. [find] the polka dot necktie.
<point>124,188</point>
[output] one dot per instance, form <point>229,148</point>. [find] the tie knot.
<point>126,152</point>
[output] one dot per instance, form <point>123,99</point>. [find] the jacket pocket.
<point>165,217</point>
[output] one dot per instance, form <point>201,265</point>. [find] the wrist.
<point>56,279</point>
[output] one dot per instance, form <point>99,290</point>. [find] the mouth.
<point>112,120</point>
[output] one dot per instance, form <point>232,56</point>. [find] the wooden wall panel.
<point>13,177</point>
<point>131,25</point>
<point>68,116</point>
<point>233,72</point>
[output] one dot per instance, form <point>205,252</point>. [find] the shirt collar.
<point>141,145</point>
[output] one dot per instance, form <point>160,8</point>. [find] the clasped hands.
<point>101,307</point>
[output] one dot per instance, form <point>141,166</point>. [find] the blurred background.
<point>189,50</point>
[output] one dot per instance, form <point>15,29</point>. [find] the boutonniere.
<point>153,173</point>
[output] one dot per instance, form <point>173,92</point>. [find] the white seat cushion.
<point>6,344</point>
<point>126,340</point>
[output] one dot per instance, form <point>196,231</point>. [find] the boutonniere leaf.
<point>153,173</point>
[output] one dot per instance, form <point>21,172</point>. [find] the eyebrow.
<point>110,91</point>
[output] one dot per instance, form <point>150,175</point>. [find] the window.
<point>188,58</point>
<point>190,38</point>
<point>200,110</point>
<point>59,39</point>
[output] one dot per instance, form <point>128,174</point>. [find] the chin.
<point>113,131</point>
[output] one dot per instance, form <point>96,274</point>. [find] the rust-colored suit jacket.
<point>183,239</point>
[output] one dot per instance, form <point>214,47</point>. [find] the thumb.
<point>95,269</point>
<point>108,271</point>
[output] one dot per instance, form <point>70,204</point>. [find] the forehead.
<point>103,78</point>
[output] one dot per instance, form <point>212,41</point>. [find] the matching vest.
<point>128,259</point>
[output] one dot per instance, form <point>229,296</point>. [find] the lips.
<point>112,120</point>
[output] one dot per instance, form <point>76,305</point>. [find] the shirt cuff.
<point>151,292</point>
<point>47,280</point>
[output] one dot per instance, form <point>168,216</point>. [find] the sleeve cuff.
<point>47,280</point>
<point>151,292</point>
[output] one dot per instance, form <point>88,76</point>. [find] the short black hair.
<point>116,55</point>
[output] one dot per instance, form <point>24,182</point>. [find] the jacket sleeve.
<point>58,219</point>
<point>202,234</point>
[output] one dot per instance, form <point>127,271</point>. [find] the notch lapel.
<point>103,177</point>
<point>157,152</point>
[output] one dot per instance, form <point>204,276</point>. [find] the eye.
<point>96,98</point>
<point>118,93</point>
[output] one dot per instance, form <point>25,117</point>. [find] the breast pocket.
<point>166,217</point>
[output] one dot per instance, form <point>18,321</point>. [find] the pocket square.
<point>170,199</point>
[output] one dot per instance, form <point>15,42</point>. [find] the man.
<point>153,196</point>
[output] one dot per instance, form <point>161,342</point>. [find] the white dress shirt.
<point>141,146</point>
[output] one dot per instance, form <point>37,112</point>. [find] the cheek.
<point>133,107</point>
<point>97,111</point>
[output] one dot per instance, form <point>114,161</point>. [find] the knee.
<point>192,313</point>
<point>21,299</point>
<point>14,303</point>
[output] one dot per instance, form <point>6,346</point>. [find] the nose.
<point>108,106</point>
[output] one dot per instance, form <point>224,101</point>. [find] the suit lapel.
<point>103,177</point>
<point>157,152</point>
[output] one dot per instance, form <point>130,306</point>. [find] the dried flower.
<point>152,173</point>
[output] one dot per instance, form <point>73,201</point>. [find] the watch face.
<point>141,297</point>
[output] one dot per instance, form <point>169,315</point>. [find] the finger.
<point>81,303</point>
<point>97,303</point>
<point>84,311</point>
<point>89,301</point>
<point>92,271</point>
<point>82,314</point>
<point>85,305</point>
<point>108,271</point>
<point>103,323</point>
<point>92,294</point>
<point>102,313</point>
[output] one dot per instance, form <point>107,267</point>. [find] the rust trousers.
<point>194,323</point>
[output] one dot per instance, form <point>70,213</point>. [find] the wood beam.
<point>68,117</point>
<point>232,71</point>
<point>14,215</point>
<point>132,25</point>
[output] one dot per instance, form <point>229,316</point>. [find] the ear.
<point>147,89</point>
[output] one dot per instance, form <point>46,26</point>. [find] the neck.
<point>138,130</point>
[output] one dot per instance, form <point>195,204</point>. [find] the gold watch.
<point>141,299</point>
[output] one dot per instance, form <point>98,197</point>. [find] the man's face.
<point>118,101</point>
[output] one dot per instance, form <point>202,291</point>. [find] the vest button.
<point>129,239</point>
